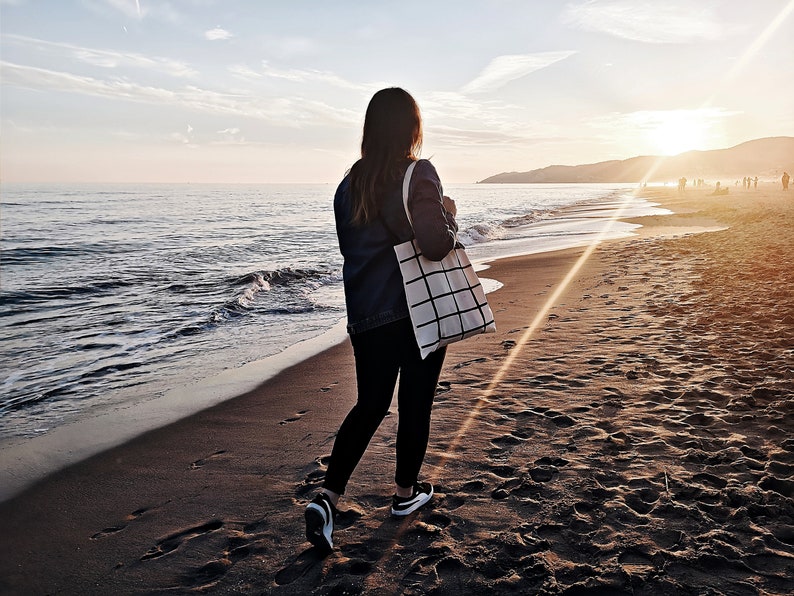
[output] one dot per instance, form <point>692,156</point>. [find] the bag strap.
<point>406,186</point>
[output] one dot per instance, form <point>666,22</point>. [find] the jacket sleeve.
<point>434,226</point>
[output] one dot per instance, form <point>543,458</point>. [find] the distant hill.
<point>763,157</point>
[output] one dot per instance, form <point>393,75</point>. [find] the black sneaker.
<point>320,522</point>
<point>400,506</point>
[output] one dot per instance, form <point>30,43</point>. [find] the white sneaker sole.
<point>318,528</point>
<point>413,505</point>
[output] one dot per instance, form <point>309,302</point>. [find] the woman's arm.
<point>434,224</point>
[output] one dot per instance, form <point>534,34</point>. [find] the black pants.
<point>381,354</point>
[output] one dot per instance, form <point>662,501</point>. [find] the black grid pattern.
<point>446,299</point>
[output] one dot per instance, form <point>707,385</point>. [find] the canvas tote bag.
<point>445,298</point>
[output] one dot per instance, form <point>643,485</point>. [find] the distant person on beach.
<point>370,220</point>
<point>755,183</point>
<point>784,179</point>
<point>718,190</point>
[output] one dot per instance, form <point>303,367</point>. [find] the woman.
<point>370,220</point>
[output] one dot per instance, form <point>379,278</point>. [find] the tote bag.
<point>446,299</point>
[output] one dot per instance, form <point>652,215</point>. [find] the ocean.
<point>114,295</point>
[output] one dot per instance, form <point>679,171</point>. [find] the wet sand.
<point>631,433</point>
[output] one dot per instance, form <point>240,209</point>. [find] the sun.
<point>678,131</point>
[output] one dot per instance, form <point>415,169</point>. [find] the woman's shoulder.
<point>342,194</point>
<point>425,169</point>
<point>343,185</point>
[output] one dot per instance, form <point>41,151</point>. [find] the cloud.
<point>292,112</point>
<point>178,137</point>
<point>230,136</point>
<point>647,21</point>
<point>458,120</point>
<point>652,119</point>
<point>296,75</point>
<point>303,76</point>
<point>108,58</point>
<point>442,105</point>
<point>244,72</point>
<point>39,78</point>
<point>466,137</point>
<point>503,69</point>
<point>130,8</point>
<point>135,9</point>
<point>217,34</point>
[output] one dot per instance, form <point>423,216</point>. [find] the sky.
<point>231,91</point>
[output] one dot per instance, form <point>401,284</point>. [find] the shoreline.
<point>27,460</point>
<point>639,441</point>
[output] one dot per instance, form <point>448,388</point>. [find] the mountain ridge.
<point>765,157</point>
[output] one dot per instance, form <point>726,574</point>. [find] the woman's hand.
<point>450,206</point>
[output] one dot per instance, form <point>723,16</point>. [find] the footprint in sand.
<point>443,387</point>
<point>559,419</point>
<point>310,559</point>
<point>201,462</point>
<point>170,543</point>
<point>504,471</point>
<point>206,576</point>
<point>642,501</point>
<point>472,486</point>
<point>543,473</point>
<point>295,418</point>
<point>505,488</point>
<point>315,473</point>
<point>452,502</point>
<point>352,566</point>
<point>778,485</point>
<point>557,462</point>
<point>109,531</point>
<point>507,441</point>
<point>468,363</point>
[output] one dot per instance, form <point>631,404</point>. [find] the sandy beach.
<point>630,431</point>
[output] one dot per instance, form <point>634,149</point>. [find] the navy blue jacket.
<point>374,292</point>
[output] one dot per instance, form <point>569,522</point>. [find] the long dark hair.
<point>392,136</point>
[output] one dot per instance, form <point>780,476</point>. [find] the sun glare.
<point>677,132</point>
